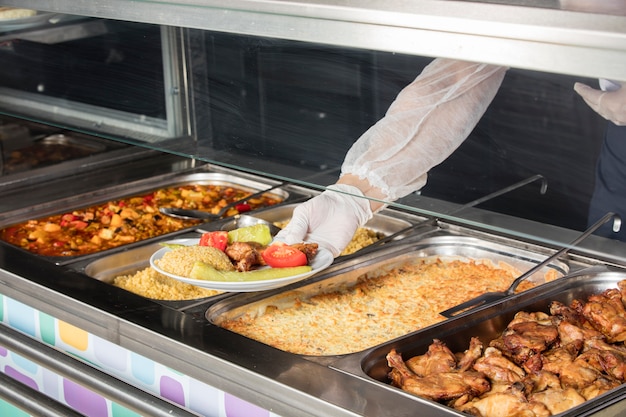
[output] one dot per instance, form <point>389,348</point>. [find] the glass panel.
<point>291,110</point>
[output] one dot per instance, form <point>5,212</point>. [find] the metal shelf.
<point>526,35</point>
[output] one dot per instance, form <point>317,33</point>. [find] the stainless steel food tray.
<point>487,324</point>
<point>55,150</point>
<point>138,188</point>
<point>346,275</point>
<point>130,261</point>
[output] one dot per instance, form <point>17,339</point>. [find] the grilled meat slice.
<point>607,314</point>
<point>245,255</point>
<point>439,386</point>
<point>309,249</point>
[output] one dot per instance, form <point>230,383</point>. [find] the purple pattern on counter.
<point>18,376</point>
<point>83,400</point>
<point>172,390</point>
<point>236,407</point>
<point>3,351</point>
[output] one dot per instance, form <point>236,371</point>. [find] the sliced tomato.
<point>217,239</point>
<point>280,255</point>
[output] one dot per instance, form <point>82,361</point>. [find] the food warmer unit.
<point>74,344</point>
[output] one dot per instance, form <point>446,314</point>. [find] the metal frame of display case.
<point>107,121</point>
<point>535,38</point>
<point>525,35</point>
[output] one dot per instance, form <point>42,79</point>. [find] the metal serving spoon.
<point>490,297</point>
<point>205,215</point>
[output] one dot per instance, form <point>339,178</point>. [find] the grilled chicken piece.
<point>438,359</point>
<point>508,401</point>
<point>245,255</point>
<point>441,386</point>
<point>309,249</point>
<point>622,288</point>
<point>527,335</point>
<point>540,381</point>
<point>571,314</point>
<point>572,333</point>
<point>467,358</point>
<point>612,358</point>
<point>498,368</point>
<point>601,385</point>
<point>607,314</point>
<point>558,400</point>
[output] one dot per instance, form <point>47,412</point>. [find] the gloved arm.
<point>610,104</point>
<point>428,120</point>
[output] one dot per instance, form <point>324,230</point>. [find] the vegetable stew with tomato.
<point>126,220</point>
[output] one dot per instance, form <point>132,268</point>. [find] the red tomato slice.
<point>280,255</point>
<point>217,239</point>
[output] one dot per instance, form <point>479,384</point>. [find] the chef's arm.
<point>426,123</point>
<point>428,120</point>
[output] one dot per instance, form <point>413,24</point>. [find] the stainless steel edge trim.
<point>31,401</point>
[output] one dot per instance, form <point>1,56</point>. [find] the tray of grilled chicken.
<point>557,349</point>
<point>370,300</point>
<point>128,214</point>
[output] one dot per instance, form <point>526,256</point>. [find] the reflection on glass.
<point>290,109</point>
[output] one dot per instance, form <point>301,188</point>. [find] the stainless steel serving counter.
<point>181,338</point>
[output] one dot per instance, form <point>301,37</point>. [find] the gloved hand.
<point>329,219</point>
<point>609,104</point>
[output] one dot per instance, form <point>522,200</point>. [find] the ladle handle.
<point>224,209</point>
<point>389,238</point>
<point>617,222</point>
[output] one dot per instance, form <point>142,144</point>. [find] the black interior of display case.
<point>306,104</point>
<point>119,69</point>
<point>302,105</point>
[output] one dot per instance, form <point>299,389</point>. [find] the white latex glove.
<point>428,120</point>
<point>610,104</point>
<point>329,219</point>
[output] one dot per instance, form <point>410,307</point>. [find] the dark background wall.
<point>278,98</point>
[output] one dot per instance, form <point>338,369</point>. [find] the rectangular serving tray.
<point>487,323</point>
<point>138,188</point>
<point>345,275</point>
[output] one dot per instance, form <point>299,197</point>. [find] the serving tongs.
<point>402,232</point>
<point>205,215</point>
<point>491,297</point>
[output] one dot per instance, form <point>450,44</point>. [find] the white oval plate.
<point>321,261</point>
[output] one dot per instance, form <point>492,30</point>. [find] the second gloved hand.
<point>610,104</point>
<point>329,219</point>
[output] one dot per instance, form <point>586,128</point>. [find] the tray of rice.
<point>375,299</point>
<point>131,271</point>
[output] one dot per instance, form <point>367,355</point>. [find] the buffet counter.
<point>265,97</point>
<point>179,353</point>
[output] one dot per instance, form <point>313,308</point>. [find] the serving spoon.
<point>188,214</point>
<point>490,297</point>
